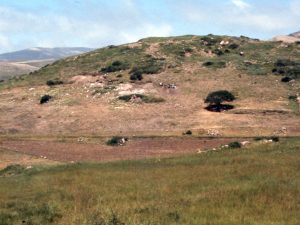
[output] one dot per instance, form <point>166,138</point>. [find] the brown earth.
<point>76,110</point>
<point>135,148</point>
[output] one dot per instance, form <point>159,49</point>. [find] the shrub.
<point>54,82</point>
<point>209,40</point>
<point>218,52</point>
<point>217,97</point>
<point>115,66</point>
<point>12,170</point>
<point>188,50</point>
<point>45,99</point>
<point>215,64</point>
<point>114,141</point>
<point>286,79</point>
<point>287,67</point>
<point>151,66</point>
<point>208,63</point>
<point>293,97</point>
<point>233,46</point>
<point>188,132</point>
<point>137,75</point>
<point>235,144</point>
<point>275,139</point>
<point>284,62</point>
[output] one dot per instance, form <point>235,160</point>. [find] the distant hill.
<point>292,38</point>
<point>29,60</point>
<point>296,34</point>
<point>39,53</point>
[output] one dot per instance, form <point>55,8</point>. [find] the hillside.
<point>171,78</point>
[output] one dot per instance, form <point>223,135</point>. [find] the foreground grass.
<point>256,185</point>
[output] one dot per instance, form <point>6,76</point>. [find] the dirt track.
<point>138,148</point>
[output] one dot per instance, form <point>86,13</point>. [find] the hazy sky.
<point>96,23</point>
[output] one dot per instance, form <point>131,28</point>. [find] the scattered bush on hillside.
<point>115,66</point>
<point>293,97</point>
<point>137,75</point>
<point>209,41</point>
<point>218,52</point>
<point>54,82</point>
<point>11,170</point>
<point>290,69</point>
<point>143,98</point>
<point>286,79</point>
<point>150,66</point>
<point>216,98</point>
<point>235,144</point>
<point>275,138</point>
<point>215,64</point>
<point>45,99</point>
<point>188,132</point>
<point>116,140</point>
<point>233,46</point>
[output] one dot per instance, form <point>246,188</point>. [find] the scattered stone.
<point>243,143</point>
<point>213,133</point>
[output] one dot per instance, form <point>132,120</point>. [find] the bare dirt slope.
<point>136,148</point>
<point>181,71</point>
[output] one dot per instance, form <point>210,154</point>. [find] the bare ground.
<point>136,148</point>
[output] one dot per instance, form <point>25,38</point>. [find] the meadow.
<point>258,184</point>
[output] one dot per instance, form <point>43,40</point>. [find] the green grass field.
<point>257,185</point>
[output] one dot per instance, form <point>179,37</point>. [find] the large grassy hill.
<point>88,100</point>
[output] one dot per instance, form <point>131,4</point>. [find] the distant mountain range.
<point>31,59</point>
<point>294,37</point>
<point>296,34</point>
<point>39,53</point>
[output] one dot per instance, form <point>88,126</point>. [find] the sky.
<point>98,23</point>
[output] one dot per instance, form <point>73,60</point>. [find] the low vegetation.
<point>54,82</point>
<point>290,69</point>
<point>115,66</point>
<point>45,98</point>
<point>216,98</point>
<point>258,185</point>
<point>140,97</point>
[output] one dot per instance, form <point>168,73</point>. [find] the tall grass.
<point>256,185</point>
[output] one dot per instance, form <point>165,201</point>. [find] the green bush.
<point>290,69</point>
<point>188,132</point>
<point>217,97</point>
<point>45,98</point>
<point>137,75</point>
<point>12,170</point>
<point>114,141</point>
<point>235,144</point>
<point>218,52</point>
<point>293,97</point>
<point>215,64</point>
<point>275,138</point>
<point>54,82</point>
<point>233,46</point>
<point>115,66</point>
